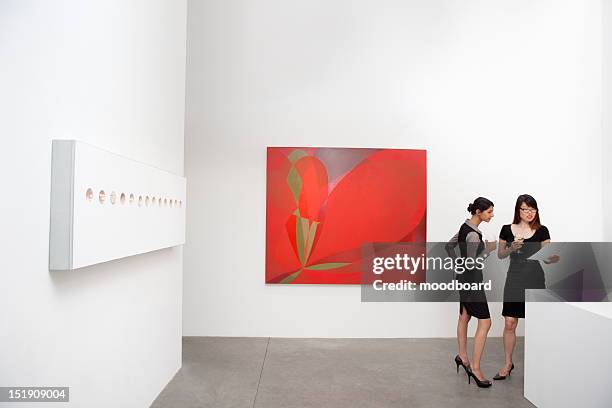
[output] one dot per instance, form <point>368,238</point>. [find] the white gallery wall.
<point>109,73</point>
<point>505,96</point>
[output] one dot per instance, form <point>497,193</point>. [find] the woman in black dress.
<point>473,302</point>
<point>520,240</point>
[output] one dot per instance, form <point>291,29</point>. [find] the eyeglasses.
<point>529,210</point>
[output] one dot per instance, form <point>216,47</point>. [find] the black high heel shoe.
<point>459,362</point>
<point>481,384</point>
<point>503,377</point>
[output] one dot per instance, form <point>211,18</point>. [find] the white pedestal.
<point>568,354</point>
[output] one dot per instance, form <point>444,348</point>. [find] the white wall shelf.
<point>105,206</point>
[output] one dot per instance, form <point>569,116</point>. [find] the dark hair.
<point>481,204</point>
<point>531,202</point>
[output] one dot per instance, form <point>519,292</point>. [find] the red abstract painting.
<point>323,204</point>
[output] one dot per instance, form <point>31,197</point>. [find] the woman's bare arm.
<point>502,251</point>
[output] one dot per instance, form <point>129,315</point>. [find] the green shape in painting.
<point>295,184</point>
<point>311,235</point>
<point>291,277</point>
<point>300,238</point>
<point>326,266</point>
<point>296,155</point>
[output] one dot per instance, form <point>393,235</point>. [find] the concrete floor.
<point>281,372</point>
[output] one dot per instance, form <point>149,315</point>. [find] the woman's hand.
<point>552,259</point>
<point>490,246</point>
<point>516,245</point>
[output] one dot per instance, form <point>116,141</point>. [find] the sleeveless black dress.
<point>474,301</point>
<point>522,273</point>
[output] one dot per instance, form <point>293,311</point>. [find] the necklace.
<point>522,232</point>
